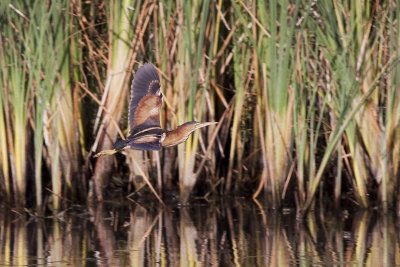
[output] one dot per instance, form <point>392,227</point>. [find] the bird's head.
<point>192,126</point>
<point>180,134</point>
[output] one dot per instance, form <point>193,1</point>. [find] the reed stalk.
<point>77,126</point>
<point>4,167</point>
<point>18,155</point>
<point>193,36</point>
<point>306,117</point>
<point>16,95</point>
<point>42,75</point>
<point>55,90</point>
<point>68,134</point>
<point>391,145</point>
<point>121,59</point>
<point>274,63</point>
<point>349,45</point>
<point>241,61</point>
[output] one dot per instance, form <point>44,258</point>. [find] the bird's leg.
<point>106,152</point>
<point>118,146</point>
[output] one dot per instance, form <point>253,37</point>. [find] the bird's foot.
<point>105,152</point>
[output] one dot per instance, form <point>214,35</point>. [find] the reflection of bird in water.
<point>144,117</point>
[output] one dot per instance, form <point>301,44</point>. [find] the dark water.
<point>233,233</point>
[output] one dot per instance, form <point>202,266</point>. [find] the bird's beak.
<point>204,124</point>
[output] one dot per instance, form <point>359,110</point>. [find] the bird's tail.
<point>120,144</point>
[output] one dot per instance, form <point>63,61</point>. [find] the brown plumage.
<point>144,117</point>
<point>181,133</point>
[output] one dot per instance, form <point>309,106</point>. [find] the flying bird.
<point>144,117</point>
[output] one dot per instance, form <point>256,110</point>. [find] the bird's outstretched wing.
<point>144,109</point>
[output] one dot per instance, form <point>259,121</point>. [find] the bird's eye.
<point>160,95</point>
<point>163,135</point>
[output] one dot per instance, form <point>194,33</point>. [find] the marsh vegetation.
<point>306,94</point>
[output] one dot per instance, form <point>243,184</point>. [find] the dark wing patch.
<point>143,130</point>
<point>146,82</point>
<point>145,137</point>
<point>146,146</point>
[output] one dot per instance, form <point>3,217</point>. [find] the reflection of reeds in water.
<point>140,222</point>
<point>302,92</point>
<point>189,255</point>
<point>227,235</point>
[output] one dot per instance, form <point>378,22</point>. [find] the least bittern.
<point>144,117</point>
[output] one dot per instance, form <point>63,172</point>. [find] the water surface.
<point>230,233</point>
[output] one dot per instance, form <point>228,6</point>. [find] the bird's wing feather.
<point>146,146</point>
<point>145,138</point>
<point>146,98</point>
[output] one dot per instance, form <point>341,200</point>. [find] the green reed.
<point>187,177</point>
<point>4,167</point>
<point>273,66</point>
<point>44,95</point>
<point>390,154</point>
<point>43,72</point>
<point>349,46</point>
<point>241,56</point>
<point>15,102</point>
